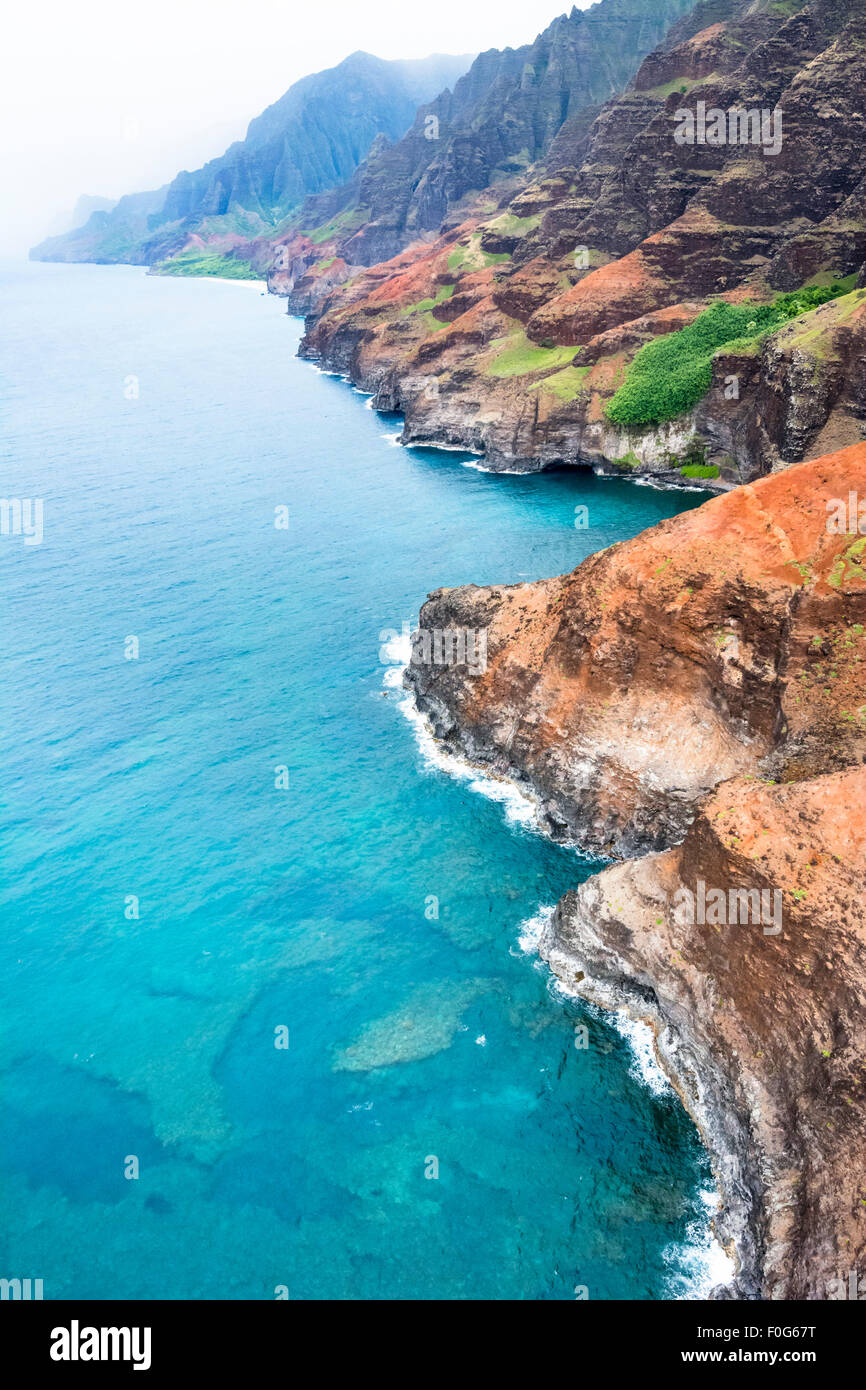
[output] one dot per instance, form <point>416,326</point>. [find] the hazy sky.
<point>111,96</point>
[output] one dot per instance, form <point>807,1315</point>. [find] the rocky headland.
<point>692,703</point>
<point>761,1034</point>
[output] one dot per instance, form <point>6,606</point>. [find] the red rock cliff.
<point>700,692</point>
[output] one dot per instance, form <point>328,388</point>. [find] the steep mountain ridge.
<point>624,234</point>
<point>311,139</point>
<point>502,116</point>
<point>473,146</point>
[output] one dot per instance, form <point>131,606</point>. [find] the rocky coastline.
<point>692,704</point>
<point>529,258</point>
<point>508,324</point>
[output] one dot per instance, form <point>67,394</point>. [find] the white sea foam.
<point>530,931</point>
<point>484,468</point>
<point>641,1040</point>
<point>639,1036</point>
<point>320,371</point>
<point>656,484</point>
<point>701,1263</point>
<point>520,808</point>
<point>445,448</point>
<point>662,487</point>
<point>659,486</point>
<point>393,677</point>
<point>398,649</point>
<point>394,438</point>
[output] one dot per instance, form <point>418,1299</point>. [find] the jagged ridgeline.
<point>675,287</point>
<point>501,117</point>
<point>380,151</point>
<point>313,138</point>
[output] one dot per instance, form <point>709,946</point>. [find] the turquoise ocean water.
<point>169,911</point>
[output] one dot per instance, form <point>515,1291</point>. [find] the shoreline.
<point>527,465</point>
<point>732,1223</point>
<point>482,781</point>
<point>693,758</point>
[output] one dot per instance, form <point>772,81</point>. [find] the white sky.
<point>110,97</point>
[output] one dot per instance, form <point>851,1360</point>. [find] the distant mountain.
<point>84,208</point>
<point>501,117</point>
<point>310,140</point>
<point>118,235</point>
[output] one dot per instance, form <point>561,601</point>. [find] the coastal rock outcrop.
<point>694,701</point>
<point>730,640</point>
<point>623,233</point>
<point>744,948</point>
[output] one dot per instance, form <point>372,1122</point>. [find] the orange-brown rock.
<point>700,692</point>
<point>621,290</point>
<point>728,640</point>
<point>757,1002</point>
<point>621,224</point>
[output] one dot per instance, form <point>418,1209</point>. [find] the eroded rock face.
<point>697,696</point>
<point>662,194</point>
<point>500,116</point>
<point>726,641</point>
<point>757,1003</point>
<point>621,234</point>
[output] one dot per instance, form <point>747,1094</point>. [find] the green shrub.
<point>700,470</point>
<point>671,374</point>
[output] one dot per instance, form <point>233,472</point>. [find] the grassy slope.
<point>207,263</point>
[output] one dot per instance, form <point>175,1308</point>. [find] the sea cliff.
<point>693,704</point>
<point>512,324</point>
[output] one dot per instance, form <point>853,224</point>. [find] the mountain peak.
<point>311,139</point>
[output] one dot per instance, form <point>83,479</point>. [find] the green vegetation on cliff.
<point>508,224</point>
<point>700,470</point>
<point>425,305</point>
<point>517,356</point>
<point>671,374</point>
<point>347,221</point>
<point>565,385</point>
<point>207,263</point>
<point>465,259</point>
